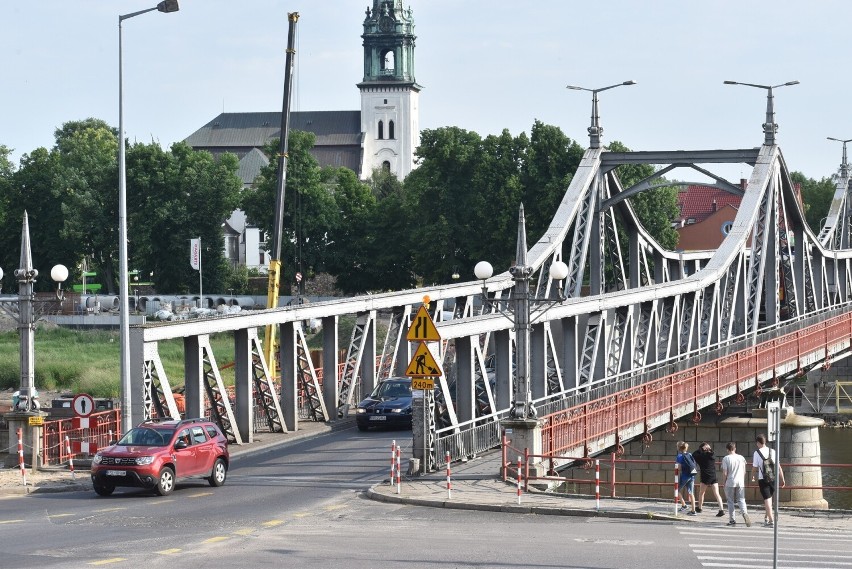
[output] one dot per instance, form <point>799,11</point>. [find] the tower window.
<point>386,166</point>
<point>381,130</point>
<point>386,102</point>
<point>387,62</point>
<point>390,130</point>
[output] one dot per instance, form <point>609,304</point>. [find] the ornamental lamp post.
<point>166,6</point>
<point>522,304</point>
<point>596,130</point>
<point>770,127</point>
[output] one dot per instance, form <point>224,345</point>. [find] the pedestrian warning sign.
<point>422,328</point>
<point>423,364</point>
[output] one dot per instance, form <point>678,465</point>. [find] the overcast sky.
<point>485,65</point>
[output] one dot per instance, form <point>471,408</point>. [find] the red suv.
<point>156,453</point>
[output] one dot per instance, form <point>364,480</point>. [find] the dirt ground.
<point>10,478</point>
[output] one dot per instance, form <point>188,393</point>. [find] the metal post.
<point>26,276</point>
<point>773,409</point>
<point>523,407</point>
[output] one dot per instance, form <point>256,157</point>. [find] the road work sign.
<point>422,328</point>
<point>422,364</point>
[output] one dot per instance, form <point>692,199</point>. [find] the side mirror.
<point>180,445</point>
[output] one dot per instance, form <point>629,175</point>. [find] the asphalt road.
<point>303,505</point>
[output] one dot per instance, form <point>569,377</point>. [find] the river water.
<point>836,448</point>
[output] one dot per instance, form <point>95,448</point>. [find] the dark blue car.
<point>389,405</point>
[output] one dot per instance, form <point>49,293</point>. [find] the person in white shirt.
<point>733,470</point>
<point>767,488</point>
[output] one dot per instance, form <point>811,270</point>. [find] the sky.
<point>485,66</point>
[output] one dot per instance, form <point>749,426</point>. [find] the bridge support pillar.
<point>521,435</point>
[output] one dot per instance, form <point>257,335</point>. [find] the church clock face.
<point>385,24</point>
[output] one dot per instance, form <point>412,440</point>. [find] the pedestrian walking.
<point>706,462</point>
<point>762,467</point>
<point>686,480</point>
<point>733,470</point>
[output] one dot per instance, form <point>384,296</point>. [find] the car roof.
<point>170,422</point>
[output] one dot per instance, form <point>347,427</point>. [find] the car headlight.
<point>98,458</point>
<point>400,410</point>
<point>361,410</point>
<point>143,460</point>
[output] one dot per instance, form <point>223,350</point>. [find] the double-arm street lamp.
<point>596,130</point>
<point>165,6</point>
<point>769,127</point>
<point>844,165</point>
<point>26,316</point>
<point>521,303</point>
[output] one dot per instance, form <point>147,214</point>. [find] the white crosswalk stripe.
<point>748,548</point>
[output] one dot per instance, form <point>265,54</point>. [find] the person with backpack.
<point>686,480</point>
<point>707,476</point>
<point>763,468</point>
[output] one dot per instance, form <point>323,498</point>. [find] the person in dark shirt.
<point>707,475</point>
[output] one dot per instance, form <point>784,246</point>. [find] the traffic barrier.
<point>597,484</point>
<point>519,480</point>
<point>21,456</point>
<point>393,461</point>
<point>70,457</point>
<point>398,471</point>
<point>676,488</point>
<point>449,481</point>
<point>102,426</point>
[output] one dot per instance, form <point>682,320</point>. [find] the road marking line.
<point>200,495</point>
<point>216,539</point>
<point>10,521</point>
<point>169,551</point>
<point>244,531</point>
<point>107,561</point>
<point>272,523</point>
<point>109,510</point>
<point>334,507</point>
<point>301,514</point>
<point>59,515</point>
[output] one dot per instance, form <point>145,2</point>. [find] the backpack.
<point>768,466</point>
<point>688,465</point>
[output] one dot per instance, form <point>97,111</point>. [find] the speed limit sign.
<point>83,405</point>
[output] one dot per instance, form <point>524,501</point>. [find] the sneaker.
<point>768,524</point>
<point>698,510</point>
<point>732,523</point>
<point>747,520</point>
<point>720,514</point>
<point>683,508</point>
<point>691,514</point>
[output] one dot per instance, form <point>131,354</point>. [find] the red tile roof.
<point>696,202</point>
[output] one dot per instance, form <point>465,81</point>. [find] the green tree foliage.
<point>816,196</point>
<point>174,197</point>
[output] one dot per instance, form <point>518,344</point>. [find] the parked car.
<point>158,453</point>
<point>389,405</point>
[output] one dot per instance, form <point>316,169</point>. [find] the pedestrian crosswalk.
<point>748,548</point>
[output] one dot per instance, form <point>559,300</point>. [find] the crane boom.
<point>278,229</point>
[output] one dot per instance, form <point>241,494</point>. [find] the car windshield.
<point>146,436</point>
<point>391,390</point>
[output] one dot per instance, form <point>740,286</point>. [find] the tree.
<point>817,197</point>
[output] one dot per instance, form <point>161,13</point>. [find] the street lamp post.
<point>596,130</point>
<point>844,165</point>
<point>770,127</point>
<point>522,303</point>
<point>26,316</point>
<point>165,6</point>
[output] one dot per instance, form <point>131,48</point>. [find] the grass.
<point>88,361</point>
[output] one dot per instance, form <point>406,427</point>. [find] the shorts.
<point>709,480</point>
<point>767,489</point>
<point>688,483</point>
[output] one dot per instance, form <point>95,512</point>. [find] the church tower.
<point>390,114</point>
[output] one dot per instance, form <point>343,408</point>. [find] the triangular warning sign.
<point>422,328</point>
<point>423,364</point>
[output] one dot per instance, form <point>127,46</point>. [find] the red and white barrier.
<point>393,461</point>
<point>398,475</point>
<point>70,457</point>
<point>84,447</point>
<point>677,479</point>
<point>449,480</point>
<point>597,484</point>
<point>519,480</point>
<point>21,457</point>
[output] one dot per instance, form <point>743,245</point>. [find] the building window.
<point>387,62</point>
<point>381,130</point>
<point>390,130</point>
<point>386,102</point>
<point>386,166</point>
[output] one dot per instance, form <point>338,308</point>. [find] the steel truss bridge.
<point>646,336</point>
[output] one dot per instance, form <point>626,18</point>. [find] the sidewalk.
<point>477,486</point>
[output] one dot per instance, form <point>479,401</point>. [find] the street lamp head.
<point>59,273</point>
<point>168,6</point>
<point>631,82</point>
<point>483,270</point>
<point>788,83</point>
<point>558,271</point>
<point>731,83</point>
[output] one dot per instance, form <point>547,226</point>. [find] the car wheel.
<point>219,473</point>
<point>166,483</point>
<point>103,489</point>
<point>362,428</point>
